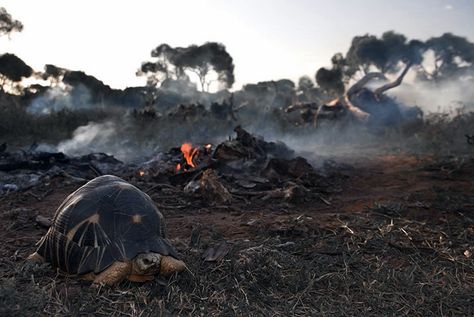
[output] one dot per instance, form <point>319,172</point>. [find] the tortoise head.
<point>155,263</point>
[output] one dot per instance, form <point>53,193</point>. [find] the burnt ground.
<point>391,236</point>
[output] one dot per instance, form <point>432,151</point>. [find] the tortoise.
<point>108,231</point>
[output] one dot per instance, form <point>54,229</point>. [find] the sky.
<point>268,39</point>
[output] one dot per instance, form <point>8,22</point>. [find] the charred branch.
<point>364,81</point>
<point>379,91</point>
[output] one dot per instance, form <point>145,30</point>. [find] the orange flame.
<point>189,153</point>
<point>178,167</point>
<point>141,173</point>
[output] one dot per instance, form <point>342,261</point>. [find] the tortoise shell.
<point>104,221</point>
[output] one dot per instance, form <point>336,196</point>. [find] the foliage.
<point>453,57</point>
<point>8,24</point>
<point>171,64</point>
<point>13,70</point>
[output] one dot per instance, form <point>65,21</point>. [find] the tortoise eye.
<point>146,261</point>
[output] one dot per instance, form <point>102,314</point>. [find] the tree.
<point>267,95</point>
<point>164,68</point>
<point>369,55</point>
<point>330,80</point>
<point>13,69</point>
<point>171,63</point>
<point>308,92</point>
<point>8,24</point>
<point>384,53</point>
<point>155,72</point>
<point>206,58</point>
<point>305,84</point>
<point>453,56</point>
<point>53,73</point>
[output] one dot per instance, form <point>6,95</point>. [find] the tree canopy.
<point>14,68</point>
<point>384,53</point>
<point>330,80</point>
<point>305,83</point>
<point>171,63</point>
<point>453,56</point>
<point>8,24</point>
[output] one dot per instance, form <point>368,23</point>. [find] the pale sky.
<point>268,39</point>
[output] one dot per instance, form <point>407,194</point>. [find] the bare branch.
<point>378,92</point>
<point>363,81</point>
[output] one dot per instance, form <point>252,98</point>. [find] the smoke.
<point>91,137</point>
<point>136,139</point>
<point>445,97</point>
<point>103,137</point>
<point>178,113</point>
<point>59,98</point>
<point>135,136</point>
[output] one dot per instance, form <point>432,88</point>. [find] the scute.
<point>104,221</point>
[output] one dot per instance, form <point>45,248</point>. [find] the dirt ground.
<point>391,235</point>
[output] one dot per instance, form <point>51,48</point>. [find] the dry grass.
<point>371,264</point>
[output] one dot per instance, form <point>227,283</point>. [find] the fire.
<point>178,167</point>
<point>141,173</point>
<point>189,153</point>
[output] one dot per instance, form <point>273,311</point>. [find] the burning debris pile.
<point>240,169</point>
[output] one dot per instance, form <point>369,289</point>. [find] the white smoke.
<point>99,137</point>
<point>444,97</point>
<point>61,97</point>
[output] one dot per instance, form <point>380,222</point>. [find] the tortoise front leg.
<point>35,257</point>
<point>114,274</point>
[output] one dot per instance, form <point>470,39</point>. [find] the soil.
<point>391,235</point>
